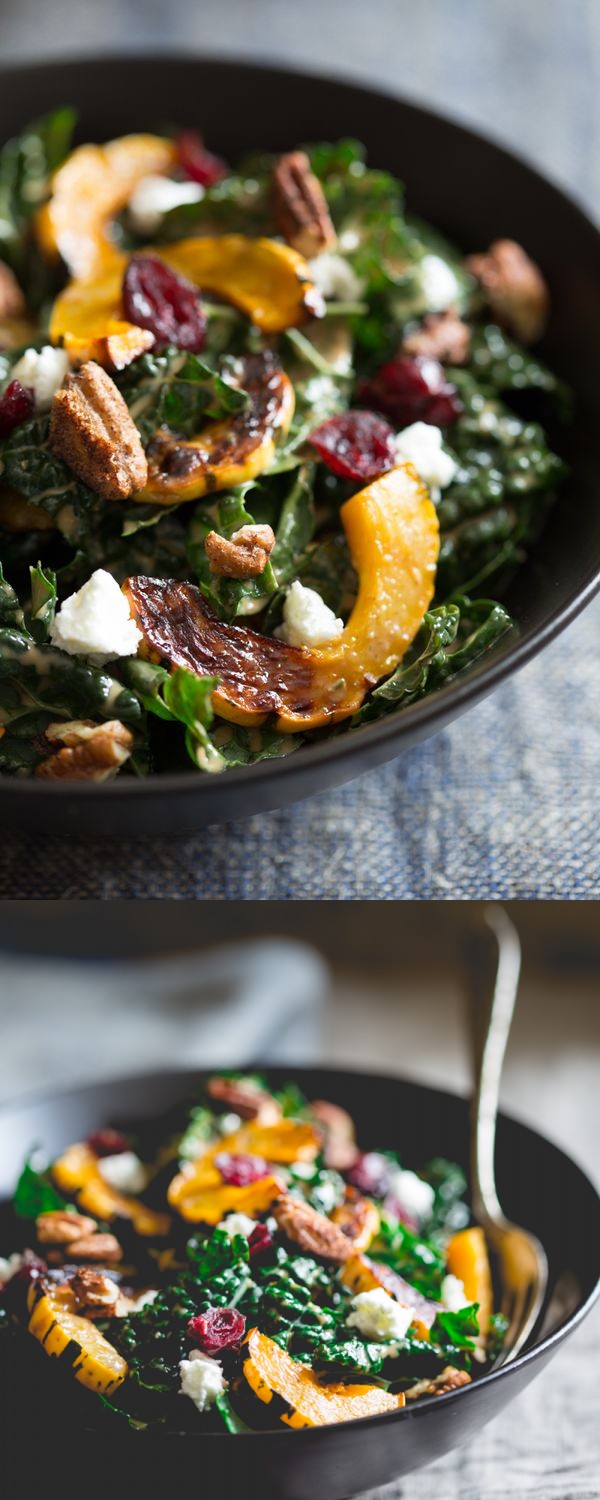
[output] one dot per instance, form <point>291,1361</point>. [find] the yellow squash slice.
<point>60,1329</point>
<point>77,1174</point>
<point>303,1401</point>
<point>467,1258</point>
<point>91,187</point>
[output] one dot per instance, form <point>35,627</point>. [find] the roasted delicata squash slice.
<point>77,1174</point>
<point>199,1193</point>
<point>467,1258</point>
<point>297,1395</point>
<point>392,532</point>
<point>208,1205</point>
<point>284,1142</point>
<point>61,1331</point>
<point>91,187</point>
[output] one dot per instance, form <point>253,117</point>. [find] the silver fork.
<point>522,1263</point>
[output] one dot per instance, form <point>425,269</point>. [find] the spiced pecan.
<point>60,1227</point>
<point>92,431</point>
<point>309,1229</point>
<point>95,1292</point>
<point>340,1149</point>
<point>357,1218</point>
<point>90,752</point>
<point>97,1247</point>
<point>514,287</point>
<point>450,1379</point>
<point>12,301</point>
<point>299,205</point>
<point>244,555</point>
<point>442,336</point>
<point>245,1099</point>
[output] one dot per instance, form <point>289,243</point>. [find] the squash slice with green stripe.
<point>63,1333</point>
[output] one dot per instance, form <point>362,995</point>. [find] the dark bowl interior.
<point>474,191</point>
<point>533,1178</point>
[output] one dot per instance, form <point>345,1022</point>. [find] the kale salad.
<point>244,1254</point>
<point>270,448</point>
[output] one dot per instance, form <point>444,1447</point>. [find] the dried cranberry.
<point>16,406</point>
<point>371,1174</point>
<point>108,1142</point>
<point>32,1267</point>
<point>156,297</point>
<point>199,164</point>
<point>412,388</point>
<point>217,1329</point>
<point>238,1170</point>
<point>355,444</point>
<point>260,1240</point>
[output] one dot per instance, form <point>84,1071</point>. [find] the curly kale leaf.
<point>457,1330</point>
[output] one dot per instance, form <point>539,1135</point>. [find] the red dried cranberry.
<point>412,388</point>
<point>16,406</point>
<point>371,1174</point>
<point>238,1170</point>
<point>199,164</point>
<point>32,1267</point>
<point>108,1142</point>
<point>355,444</point>
<point>217,1329</point>
<point>157,298</point>
<point>260,1240</point>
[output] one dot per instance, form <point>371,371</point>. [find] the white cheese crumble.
<point>453,1294</point>
<point>334,278</point>
<point>155,196</point>
<point>413,1195</point>
<point>43,371</point>
<point>124,1171</point>
<point>228,1124</point>
<point>379,1316</point>
<point>201,1379</point>
<point>145,1299</point>
<point>438,283</point>
<point>307,619</point>
<point>421,444</point>
<point>237,1224</point>
<point>96,621</point>
<point>9,1267</point>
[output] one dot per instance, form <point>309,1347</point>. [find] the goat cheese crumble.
<point>96,621</point>
<point>438,283</point>
<point>9,1267</point>
<point>237,1224</point>
<point>154,196</point>
<point>201,1379</point>
<point>125,1172</point>
<point>421,445</point>
<point>412,1194</point>
<point>42,371</point>
<point>307,619</point>
<point>334,278</point>
<point>453,1294</point>
<point>379,1316</point>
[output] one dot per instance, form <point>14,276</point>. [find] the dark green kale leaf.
<point>420,1261</point>
<point>184,698</point>
<point>11,613</point>
<point>449,1183</point>
<point>498,1328</point>
<point>26,163</point>
<point>35,1194</point>
<point>227,595</point>
<point>457,1330</point>
<point>29,466</point>
<point>178,390</point>
<point>452,637</point>
<point>502,365</point>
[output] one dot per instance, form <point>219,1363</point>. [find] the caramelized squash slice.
<point>392,531</point>
<point>300,1400</point>
<point>77,1174</point>
<point>198,1191</point>
<point>467,1258</point>
<point>61,1330</point>
<point>208,1205</point>
<point>284,1142</point>
<point>360,1274</point>
<point>91,187</point>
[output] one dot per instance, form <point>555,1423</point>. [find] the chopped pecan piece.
<point>514,287</point>
<point>340,1151</point>
<point>95,1293</point>
<point>92,431</point>
<point>245,1099</point>
<point>244,555</point>
<point>449,1380</point>
<point>312,1231</point>
<point>12,301</point>
<point>300,209</point>
<point>441,336</point>
<point>357,1218</point>
<point>60,1227</point>
<point>97,1247</point>
<point>90,752</point>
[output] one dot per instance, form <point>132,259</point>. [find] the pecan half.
<point>309,1229</point>
<point>441,336</point>
<point>340,1150</point>
<point>60,1227</point>
<point>245,1099</point>
<point>90,752</point>
<point>514,287</point>
<point>244,555</point>
<point>97,1247</point>
<point>95,1292</point>
<point>449,1380</point>
<point>92,431</point>
<point>12,301</point>
<point>299,206</point>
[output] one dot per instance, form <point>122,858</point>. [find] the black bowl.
<point>539,1188</point>
<point>473,190</point>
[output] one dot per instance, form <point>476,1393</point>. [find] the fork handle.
<point>493,967</point>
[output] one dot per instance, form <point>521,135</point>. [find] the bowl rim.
<point>514,651</point>
<point>526,1357</point>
